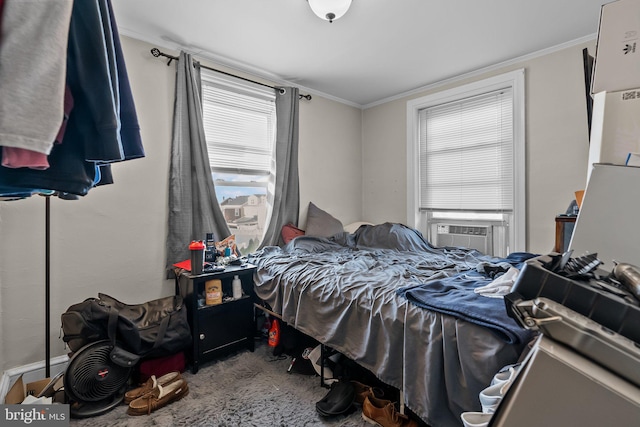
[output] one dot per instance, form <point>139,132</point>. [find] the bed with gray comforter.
<point>352,293</point>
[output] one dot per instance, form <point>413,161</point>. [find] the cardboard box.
<point>615,128</point>
<point>19,391</point>
<point>617,60</point>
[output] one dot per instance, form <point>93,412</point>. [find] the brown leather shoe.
<point>383,413</point>
<point>158,398</point>
<point>149,385</point>
<point>363,390</point>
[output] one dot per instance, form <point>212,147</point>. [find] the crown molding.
<point>276,80</point>
<point>484,70</point>
<point>235,66</point>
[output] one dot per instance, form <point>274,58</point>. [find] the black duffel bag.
<point>151,329</point>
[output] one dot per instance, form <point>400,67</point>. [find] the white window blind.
<point>239,124</point>
<point>466,154</point>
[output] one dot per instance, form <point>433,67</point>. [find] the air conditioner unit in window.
<point>478,237</point>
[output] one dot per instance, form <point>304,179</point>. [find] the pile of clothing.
<point>491,397</point>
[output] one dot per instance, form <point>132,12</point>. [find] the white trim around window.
<point>514,80</point>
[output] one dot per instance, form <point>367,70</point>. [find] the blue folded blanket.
<point>455,296</point>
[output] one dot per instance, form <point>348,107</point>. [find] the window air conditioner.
<point>478,237</point>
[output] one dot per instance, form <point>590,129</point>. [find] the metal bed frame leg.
<point>323,355</point>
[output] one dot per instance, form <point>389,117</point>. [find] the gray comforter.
<point>342,291</point>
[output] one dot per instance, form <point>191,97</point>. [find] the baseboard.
<point>31,372</point>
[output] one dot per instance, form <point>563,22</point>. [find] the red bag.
<point>161,365</point>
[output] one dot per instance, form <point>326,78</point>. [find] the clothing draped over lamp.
<point>286,197</point>
<point>89,118</point>
<point>66,111</point>
<point>193,206</point>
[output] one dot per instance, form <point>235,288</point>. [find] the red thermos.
<point>196,247</point>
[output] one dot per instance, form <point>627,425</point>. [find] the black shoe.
<point>338,400</point>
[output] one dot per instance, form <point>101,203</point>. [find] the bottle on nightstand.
<point>236,285</point>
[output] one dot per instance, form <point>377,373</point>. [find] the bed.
<point>379,296</point>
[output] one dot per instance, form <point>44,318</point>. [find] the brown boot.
<point>363,390</point>
<point>383,413</point>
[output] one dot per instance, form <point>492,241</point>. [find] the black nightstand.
<point>221,328</point>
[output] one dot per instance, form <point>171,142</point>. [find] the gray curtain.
<point>193,208</point>
<point>286,199</point>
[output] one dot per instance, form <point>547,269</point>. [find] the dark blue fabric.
<point>108,129</point>
<point>129,129</point>
<point>455,296</point>
<point>89,75</point>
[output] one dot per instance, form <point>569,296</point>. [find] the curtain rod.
<point>156,52</point>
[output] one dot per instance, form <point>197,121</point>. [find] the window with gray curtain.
<point>193,210</point>
<point>240,129</point>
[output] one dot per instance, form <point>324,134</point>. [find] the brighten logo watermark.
<point>35,415</point>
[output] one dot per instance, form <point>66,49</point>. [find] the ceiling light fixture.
<point>329,10</point>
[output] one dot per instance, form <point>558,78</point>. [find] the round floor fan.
<point>93,383</point>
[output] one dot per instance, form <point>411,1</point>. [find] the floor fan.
<point>94,383</point>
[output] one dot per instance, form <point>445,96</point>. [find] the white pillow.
<point>351,228</point>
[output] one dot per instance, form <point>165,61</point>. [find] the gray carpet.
<point>245,389</point>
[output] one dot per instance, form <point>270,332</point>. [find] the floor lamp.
<point>47,284</point>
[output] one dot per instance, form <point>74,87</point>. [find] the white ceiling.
<point>379,49</point>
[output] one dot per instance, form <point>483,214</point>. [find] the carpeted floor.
<point>244,389</point>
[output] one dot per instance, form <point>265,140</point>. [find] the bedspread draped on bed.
<point>342,291</point>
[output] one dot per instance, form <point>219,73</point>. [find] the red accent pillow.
<point>290,232</point>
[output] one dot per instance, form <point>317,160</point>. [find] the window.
<point>466,165</point>
<point>239,124</point>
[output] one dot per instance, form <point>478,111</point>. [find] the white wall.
<point>112,240</point>
<point>557,144</point>
<point>330,159</point>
